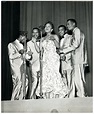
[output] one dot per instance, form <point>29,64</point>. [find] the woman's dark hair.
<point>49,22</point>
<point>73,20</point>
<point>62,26</point>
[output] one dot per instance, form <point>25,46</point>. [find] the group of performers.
<point>56,63</point>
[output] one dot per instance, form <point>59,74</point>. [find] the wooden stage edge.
<point>65,105</point>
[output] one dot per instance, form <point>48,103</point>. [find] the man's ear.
<point>51,30</point>
<point>74,24</point>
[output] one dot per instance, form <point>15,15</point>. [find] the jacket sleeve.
<point>75,42</point>
<point>27,56</point>
<point>13,54</point>
<point>85,54</point>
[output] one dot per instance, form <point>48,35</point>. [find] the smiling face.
<point>61,31</point>
<point>48,28</point>
<point>22,38</point>
<point>35,33</point>
<point>70,25</point>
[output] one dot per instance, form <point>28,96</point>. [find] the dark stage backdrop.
<point>36,13</point>
<point>10,17</point>
<point>23,15</point>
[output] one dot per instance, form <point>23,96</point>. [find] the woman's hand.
<point>52,38</point>
<point>55,39</point>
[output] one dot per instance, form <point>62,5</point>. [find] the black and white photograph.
<point>46,56</point>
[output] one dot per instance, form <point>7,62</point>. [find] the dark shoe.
<point>38,97</point>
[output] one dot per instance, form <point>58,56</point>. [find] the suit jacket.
<point>65,43</point>
<point>35,56</point>
<point>15,57</point>
<point>78,48</point>
<point>17,70</point>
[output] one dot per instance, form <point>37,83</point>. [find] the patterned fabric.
<point>52,82</point>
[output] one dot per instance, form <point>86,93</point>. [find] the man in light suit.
<point>33,48</point>
<point>66,64</point>
<point>79,59</point>
<point>16,52</point>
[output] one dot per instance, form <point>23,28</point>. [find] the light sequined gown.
<point>52,82</point>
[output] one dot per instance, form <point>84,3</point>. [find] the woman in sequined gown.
<point>53,85</point>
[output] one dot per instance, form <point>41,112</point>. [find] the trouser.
<point>67,75</point>
<point>34,81</point>
<point>18,88</point>
<point>20,81</point>
<point>78,81</point>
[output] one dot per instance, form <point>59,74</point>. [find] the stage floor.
<point>66,105</point>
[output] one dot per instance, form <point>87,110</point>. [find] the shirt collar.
<point>74,29</point>
<point>17,41</point>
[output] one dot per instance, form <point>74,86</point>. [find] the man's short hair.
<point>62,26</point>
<point>23,33</point>
<point>36,29</point>
<point>73,20</point>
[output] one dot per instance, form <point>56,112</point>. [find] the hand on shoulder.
<point>52,37</point>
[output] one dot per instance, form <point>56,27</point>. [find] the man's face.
<point>22,39</point>
<point>61,31</point>
<point>35,33</point>
<point>70,25</point>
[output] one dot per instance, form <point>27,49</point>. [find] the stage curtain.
<point>36,13</point>
<point>10,18</point>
